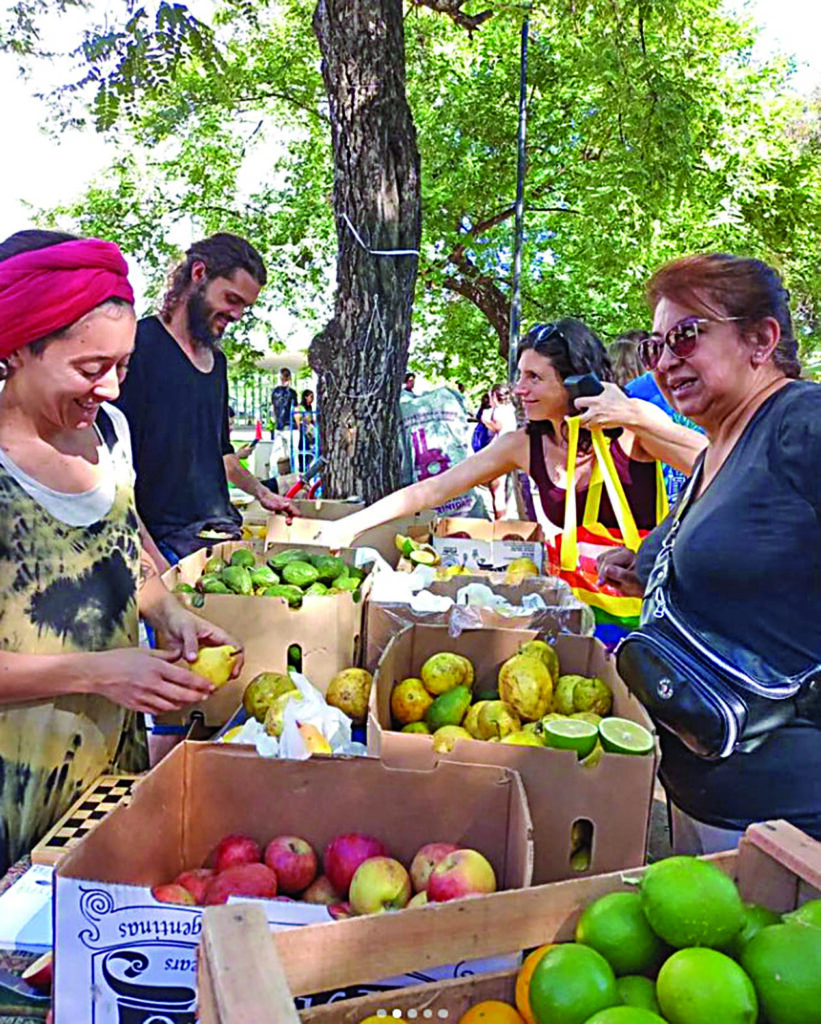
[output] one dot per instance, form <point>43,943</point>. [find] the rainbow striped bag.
<point>573,554</point>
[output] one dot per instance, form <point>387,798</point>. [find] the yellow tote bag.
<point>574,553</point>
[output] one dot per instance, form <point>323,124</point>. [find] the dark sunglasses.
<point>681,339</point>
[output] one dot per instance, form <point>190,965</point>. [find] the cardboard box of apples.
<point>215,823</point>
<point>589,782</point>
<point>356,874</point>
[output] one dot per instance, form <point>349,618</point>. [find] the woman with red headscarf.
<point>73,571</point>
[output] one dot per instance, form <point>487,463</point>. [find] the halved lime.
<point>424,556</point>
<point>621,736</point>
<point>570,734</point>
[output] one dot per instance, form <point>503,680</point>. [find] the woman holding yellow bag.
<point>548,355</point>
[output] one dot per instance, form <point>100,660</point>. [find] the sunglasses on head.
<point>681,339</point>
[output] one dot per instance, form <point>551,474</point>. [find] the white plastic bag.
<point>313,710</point>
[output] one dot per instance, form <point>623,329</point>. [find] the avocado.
<point>293,595</point>
<point>449,708</point>
<point>317,590</point>
<point>243,558</point>
<point>238,579</point>
<point>328,567</point>
<point>300,574</point>
<point>214,565</point>
<point>213,585</point>
<point>282,558</point>
<point>263,576</point>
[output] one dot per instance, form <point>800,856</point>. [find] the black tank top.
<point>638,478</point>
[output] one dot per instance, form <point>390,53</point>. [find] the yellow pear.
<point>409,701</point>
<point>519,569</point>
<point>497,719</point>
<point>471,720</point>
<point>442,671</point>
<point>522,739</point>
<point>263,690</point>
<point>314,741</point>
<point>525,683</point>
<point>275,716</point>
<point>215,663</point>
<point>349,690</point>
<point>563,694</point>
<point>546,653</point>
<point>446,738</point>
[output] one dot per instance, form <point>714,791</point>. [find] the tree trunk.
<point>361,356</point>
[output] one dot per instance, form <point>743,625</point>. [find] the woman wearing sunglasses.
<point>747,553</point>
<point>548,354</point>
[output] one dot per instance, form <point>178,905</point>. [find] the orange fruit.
<point>491,1011</point>
<point>523,982</point>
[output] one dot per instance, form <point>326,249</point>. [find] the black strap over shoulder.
<point>105,425</point>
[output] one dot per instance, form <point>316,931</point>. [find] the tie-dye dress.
<point>64,589</point>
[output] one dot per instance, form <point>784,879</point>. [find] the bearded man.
<point>175,397</point>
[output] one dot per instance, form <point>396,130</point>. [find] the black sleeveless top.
<point>639,480</point>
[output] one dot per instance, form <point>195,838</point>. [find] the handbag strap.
<point>615,491</point>
<point>594,492</point>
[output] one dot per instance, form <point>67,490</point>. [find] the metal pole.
<point>518,233</point>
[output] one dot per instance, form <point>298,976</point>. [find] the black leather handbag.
<point>714,695</point>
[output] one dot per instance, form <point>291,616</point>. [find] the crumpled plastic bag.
<point>313,710</point>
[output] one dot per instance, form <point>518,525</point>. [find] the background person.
<point>499,419</point>
<point>409,383</point>
<point>624,358</point>
<point>549,354</point>
<point>73,682</point>
<point>305,420</point>
<point>747,558</point>
<point>176,399</point>
<point>283,404</point>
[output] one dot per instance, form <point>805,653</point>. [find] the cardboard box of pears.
<point>558,714</point>
<point>282,600</point>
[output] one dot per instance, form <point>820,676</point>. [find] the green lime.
<point>625,1015</point>
<point>570,734</point>
<point>616,927</point>
<point>621,736</point>
<point>690,902</point>
<point>703,986</point>
<point>569,984</point>
<point>809,913</point>
<point>755,918</point>
<point>636,990</point>
<point>784,962</point>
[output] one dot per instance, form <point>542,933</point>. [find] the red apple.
<point>283,899</point>
<point>255,880</point>
<point>321,891</point>
<point>195,881</point>
<point>340,910</point>
<point>345,853</point>
<point>294,861</point>
<point>235,849</point>
<point>40,974</point>
<point>173,893</point>
<point>379,884</point>
<point>459,874</point>
<point>419,900</point>
<point>424,861</point>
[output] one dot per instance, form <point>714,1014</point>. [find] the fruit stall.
<point>713,940</point>
<point>405,732</point>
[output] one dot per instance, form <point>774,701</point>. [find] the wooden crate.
<point>248,975</point>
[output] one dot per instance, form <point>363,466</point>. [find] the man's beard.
<point>200,314</point>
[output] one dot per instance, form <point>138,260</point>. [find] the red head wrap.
<point>44,290</point>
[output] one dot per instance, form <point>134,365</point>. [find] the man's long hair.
<point>223,255</point>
